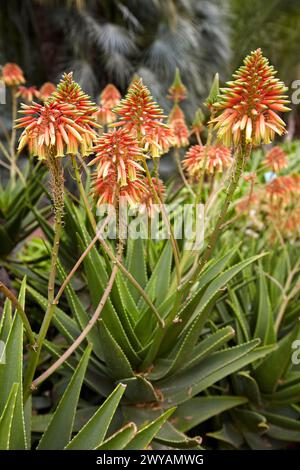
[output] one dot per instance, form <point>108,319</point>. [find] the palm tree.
<point>111,40</point>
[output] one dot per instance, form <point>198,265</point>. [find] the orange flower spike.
<point>177,91</point>
<point>109,98</point>
<point>28,93</point>
<point>120,151</point>
<point>70,94</point>
<point>276,159</point>
<point>217,158</point>
<point>46,90</point>
<point>53,127</point>
<point>178,125</point>
<point>250,103</point>
<point>12,75</point>
<point>141,115</point>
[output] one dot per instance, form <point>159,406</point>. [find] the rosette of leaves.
<point>17,220</point>
<point>70,425</point>
<point>161,367</point>
<point>264,304</point>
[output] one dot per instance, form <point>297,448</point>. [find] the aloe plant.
<point>16,201</point>
<point>161,367</point>
<point>20,430</point>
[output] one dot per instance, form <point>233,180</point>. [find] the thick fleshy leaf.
<point>264,328</point>
<point>120,439</point>
<point>94,431</point>
<point>7,417</point>
<point>12,372</point>
<point>145,435</point>
<point>59,430</point>
<point>181,387</point>
<point>199,409</point>
<point>118,365</point>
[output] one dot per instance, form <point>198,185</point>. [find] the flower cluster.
<point>249,105</point>
<point>118,172</point>
<point>275,204</point>
<point>212,158</point>
<point>276,159</point>
<point>12,75</point>
<point>178,125</point>
<point>63,125</point>
<point>28,93</point>
<point>141,116</point>
<point>109,98</point>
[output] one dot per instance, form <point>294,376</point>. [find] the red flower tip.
<point>248,106</point>
<point>12,75</point>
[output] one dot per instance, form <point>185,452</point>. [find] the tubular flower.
<point>276,159</point>
<point>177,91</point>
<point>52,128</point>
<point>118,151</point>
<point>46,90</point>
<point>109,98</point>
<point>69,92</point>
<point>28,93</point>
<point>12,75</point>
<point>250,103</point>
<point>148,204</point>
<point>107,190</point>
<point>215,157</point>
<point>142,116</point>
<point>178,125</point>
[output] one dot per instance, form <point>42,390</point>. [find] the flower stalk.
<point>57,187</point>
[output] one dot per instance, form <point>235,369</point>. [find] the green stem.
<point>166,221</point>
<point>181,172</point>
<point>242,157</point>
<point>58,198</point>
<point>83,193</point>
<point>86,329</point>
<point>183,288</point>
<point>13,135</point>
